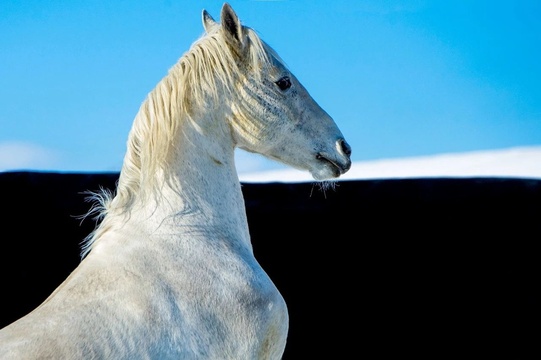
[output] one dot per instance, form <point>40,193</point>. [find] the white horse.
<point>169,273</point>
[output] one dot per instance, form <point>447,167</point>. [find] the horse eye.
<point>284,83</point>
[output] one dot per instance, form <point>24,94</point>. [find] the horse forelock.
<point>209,70</point>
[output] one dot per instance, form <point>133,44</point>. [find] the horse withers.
<point>169,273</point>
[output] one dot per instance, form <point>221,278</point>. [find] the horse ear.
<point>232,27</point>
<point>208,21</point>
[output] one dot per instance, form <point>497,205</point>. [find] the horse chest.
<point>232,282</point>
<point>227,300</point>
<point>196,293</point>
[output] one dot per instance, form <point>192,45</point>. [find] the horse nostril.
<point>344,146</point>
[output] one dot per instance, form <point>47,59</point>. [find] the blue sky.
<point>400,78</point>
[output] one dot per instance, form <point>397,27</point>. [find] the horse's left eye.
<point>284,83</point>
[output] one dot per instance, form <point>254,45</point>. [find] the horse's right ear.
<point>208,21</point>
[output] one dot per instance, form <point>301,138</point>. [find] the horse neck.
<point>199,192</point>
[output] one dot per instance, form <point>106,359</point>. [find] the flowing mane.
<point>207,69</point>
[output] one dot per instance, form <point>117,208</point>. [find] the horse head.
<point>272,113</point>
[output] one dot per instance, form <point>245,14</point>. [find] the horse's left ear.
<point>232,27</point>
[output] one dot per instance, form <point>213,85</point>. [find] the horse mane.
<point>208,68</point>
